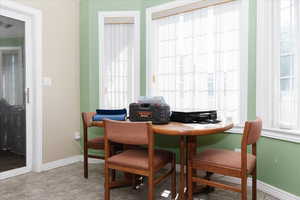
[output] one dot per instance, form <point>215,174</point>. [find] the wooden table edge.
<point>167,129</point>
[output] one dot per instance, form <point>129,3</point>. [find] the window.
<point>288,94</point>
<point>11,75</point>
<point>196,59</point>
<point>277,65</point>
<point>119,59</point>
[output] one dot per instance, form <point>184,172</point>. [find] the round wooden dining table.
<point>188,142</point>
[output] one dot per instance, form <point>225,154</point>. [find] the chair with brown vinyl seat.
<point>95,143</point>
<point>144,162</point>
<point>229,163</point>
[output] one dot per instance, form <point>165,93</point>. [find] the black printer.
<point>202,117</point>
<point>158,113</point>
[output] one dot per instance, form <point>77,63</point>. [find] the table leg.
<point>192,150</point>
<point>188,148</point>
<point>182,183</point>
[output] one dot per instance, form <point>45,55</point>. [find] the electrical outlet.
<point>237,150</point>
<point>77,136</point>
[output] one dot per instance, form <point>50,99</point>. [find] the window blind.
<point>196,60</point>
<point>118,65</point>
<point>188,8</point>
<point>278,57</point>
<point>119,20</point>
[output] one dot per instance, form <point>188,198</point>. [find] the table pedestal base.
<point>188,148</point>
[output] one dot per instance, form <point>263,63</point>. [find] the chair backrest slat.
<point>252,131</point>
<point>132,133</point>
<point>87,118</point>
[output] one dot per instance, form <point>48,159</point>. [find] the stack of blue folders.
<point>101,114</point>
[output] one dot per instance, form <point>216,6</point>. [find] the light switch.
<point>47,81</point>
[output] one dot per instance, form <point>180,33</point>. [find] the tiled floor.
<point>67,183</point>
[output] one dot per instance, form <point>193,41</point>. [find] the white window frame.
<point>135,75</point>
<point>244,48</point>
<point>264,34</point>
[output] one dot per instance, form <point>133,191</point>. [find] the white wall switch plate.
<point>47,81</point>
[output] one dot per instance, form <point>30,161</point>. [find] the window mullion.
<point>297,60</point>
<point>193,63</point>
<point>181,70</point>
<point>275,79</point>
<point>175,70</point>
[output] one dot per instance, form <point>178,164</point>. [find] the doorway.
<point>12,94</point>
<point>20,89</point>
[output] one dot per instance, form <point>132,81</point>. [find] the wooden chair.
<point>229,163</point>
<point>96,143</point>
<point>144,162</point>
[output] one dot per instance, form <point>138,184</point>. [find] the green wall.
<point>278,161</point>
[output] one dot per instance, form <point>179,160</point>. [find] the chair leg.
<point>244,188</point>
<point>112,152</point>
<point>85,163</point>
<point>254,185</point>
<point>113,175</point>
<point>190,182</point>
<point>135,181</point>
<point>173,178</point>
<point>150,188</point>
<point>107,183</point>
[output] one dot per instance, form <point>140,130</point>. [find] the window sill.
<point>280,134</point>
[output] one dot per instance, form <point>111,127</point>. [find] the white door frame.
<point>33,61</point>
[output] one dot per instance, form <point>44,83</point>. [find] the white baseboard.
<point>266,188</point>
<point>61,163</point>
<point>68,161</point>
<point>93,160</point>
<point>14,172</point>
<point>276,192</point>
<point>262,186</point>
